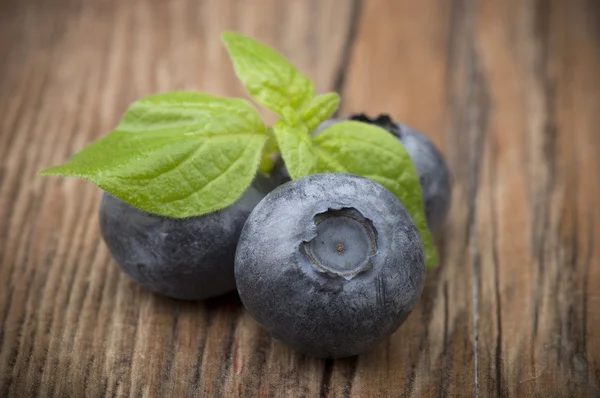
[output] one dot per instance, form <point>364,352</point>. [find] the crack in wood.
<point>340,79</point>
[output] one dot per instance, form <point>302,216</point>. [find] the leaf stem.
<point>270,152</point>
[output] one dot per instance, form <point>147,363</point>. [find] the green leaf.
<point>320,109</point>
<point>268,76</point>
<point>296,149</point>
<point>372,152</point>
<point>178,154</point>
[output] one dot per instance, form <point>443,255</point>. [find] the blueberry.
<point>434,175</point>
<point>187,259</point>
<point>330,264</point>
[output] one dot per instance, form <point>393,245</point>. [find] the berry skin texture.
<point>186,259</point>
<point>434,175</point>
<point>330,264</point>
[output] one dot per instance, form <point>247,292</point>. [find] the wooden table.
<point>508,89</point>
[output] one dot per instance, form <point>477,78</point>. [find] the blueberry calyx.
<point>344,244</point>
<point>383,120</point>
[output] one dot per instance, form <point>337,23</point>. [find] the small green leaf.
<point>296,149</point>
<point>321,108</point>
<point>268,76</point>
<point>372,152</point>
<point>178,154</point>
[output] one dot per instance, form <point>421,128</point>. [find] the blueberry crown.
<point>383,120</point>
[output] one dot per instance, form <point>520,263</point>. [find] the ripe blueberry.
<point>187,259</point>
<point>330,264</point>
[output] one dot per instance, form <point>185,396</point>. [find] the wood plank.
<point>427,48</point>
<point>536,215</point>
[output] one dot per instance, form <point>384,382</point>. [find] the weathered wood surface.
<point>509,90</point>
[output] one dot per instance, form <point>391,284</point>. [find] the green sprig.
<point>184,154</point>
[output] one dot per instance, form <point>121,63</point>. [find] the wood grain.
<point>508,89</point>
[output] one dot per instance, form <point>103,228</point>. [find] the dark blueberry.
<point>434,175</point>
<point>187,259</point>
<point>330,264</point>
